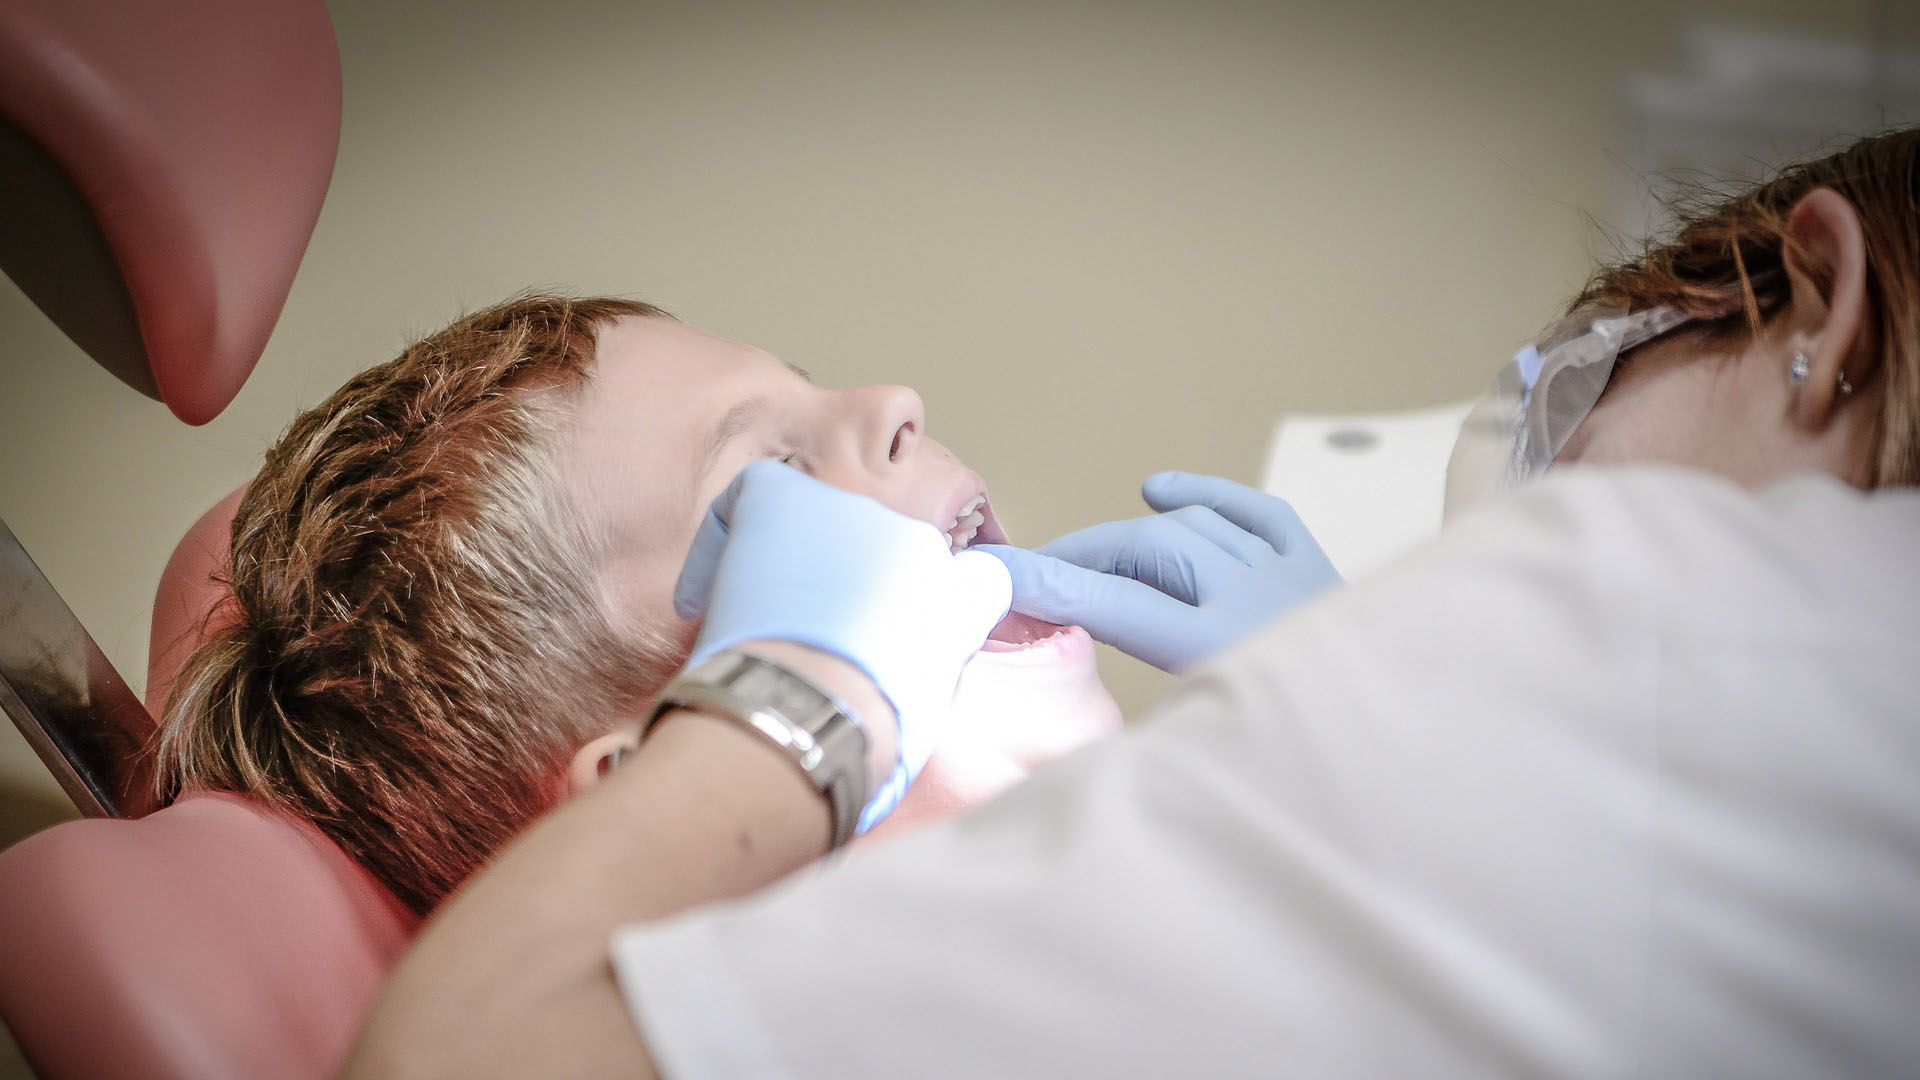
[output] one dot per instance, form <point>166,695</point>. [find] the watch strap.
<point>820,733</point>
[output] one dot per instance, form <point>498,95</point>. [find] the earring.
<point>1802,367</point>
<point>618,756</point>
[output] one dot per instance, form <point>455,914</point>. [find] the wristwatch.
<point>818,731</point>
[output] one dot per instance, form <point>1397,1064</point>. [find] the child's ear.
<point>597,758</point>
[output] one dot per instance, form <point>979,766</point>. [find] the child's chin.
<point>953,782</point>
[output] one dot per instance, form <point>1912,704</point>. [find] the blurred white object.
<point>1369,486</point>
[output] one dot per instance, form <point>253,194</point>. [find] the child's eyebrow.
<point>730,426</point>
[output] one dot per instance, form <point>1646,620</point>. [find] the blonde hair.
<point>1724,265</point>
<point>417,640</point>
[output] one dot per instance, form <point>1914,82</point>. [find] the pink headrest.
<point>211,939</point>
<point>164,165</point>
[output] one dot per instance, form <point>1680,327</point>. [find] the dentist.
<point>1618,776</point>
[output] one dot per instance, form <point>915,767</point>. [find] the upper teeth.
<point>966,524</point>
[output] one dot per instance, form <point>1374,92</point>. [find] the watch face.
<point>780,690</point>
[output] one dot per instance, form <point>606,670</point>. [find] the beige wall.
<point>1101,239</point>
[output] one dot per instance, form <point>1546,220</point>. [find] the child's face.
<point>672,413</point>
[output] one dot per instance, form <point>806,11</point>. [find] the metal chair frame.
<point>63,694</point>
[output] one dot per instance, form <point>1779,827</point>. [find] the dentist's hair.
<point>417,640</point>
<point>1724,265</point>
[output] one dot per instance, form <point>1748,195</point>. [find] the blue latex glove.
<point>782,556</point>
<point>1217,562</point>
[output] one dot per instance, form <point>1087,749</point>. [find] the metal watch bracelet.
<point>819,733</point>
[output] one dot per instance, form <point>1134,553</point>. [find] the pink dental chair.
<point>164,162</point>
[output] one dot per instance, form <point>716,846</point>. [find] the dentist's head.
<point>1775,331</point>
<point>1803,352</point>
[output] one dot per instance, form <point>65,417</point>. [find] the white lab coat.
<point>1619,778</point>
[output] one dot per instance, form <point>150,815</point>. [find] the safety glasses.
<point>1520,424</point>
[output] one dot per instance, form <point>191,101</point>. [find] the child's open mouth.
<point>974,523</point>
<point>1020,631</point>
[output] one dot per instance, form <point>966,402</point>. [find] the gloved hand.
<point>782,556</point>
<point>1218,561</point>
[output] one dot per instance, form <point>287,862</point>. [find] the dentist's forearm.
<point>511,977</point>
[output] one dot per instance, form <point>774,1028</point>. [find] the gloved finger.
<point>1225,535</point>
<point>985,590</point>
<point>1155,551</point>
<point>1269,517</point>
<point>695,583</point>
<point>1137,619</point>
<point>758,471</point>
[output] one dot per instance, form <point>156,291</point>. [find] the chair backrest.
<point>191,599</point>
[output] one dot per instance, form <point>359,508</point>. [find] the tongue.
<point>1018,629</point>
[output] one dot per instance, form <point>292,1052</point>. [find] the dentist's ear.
<point>596,758</point>
<point>1826,264</point>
